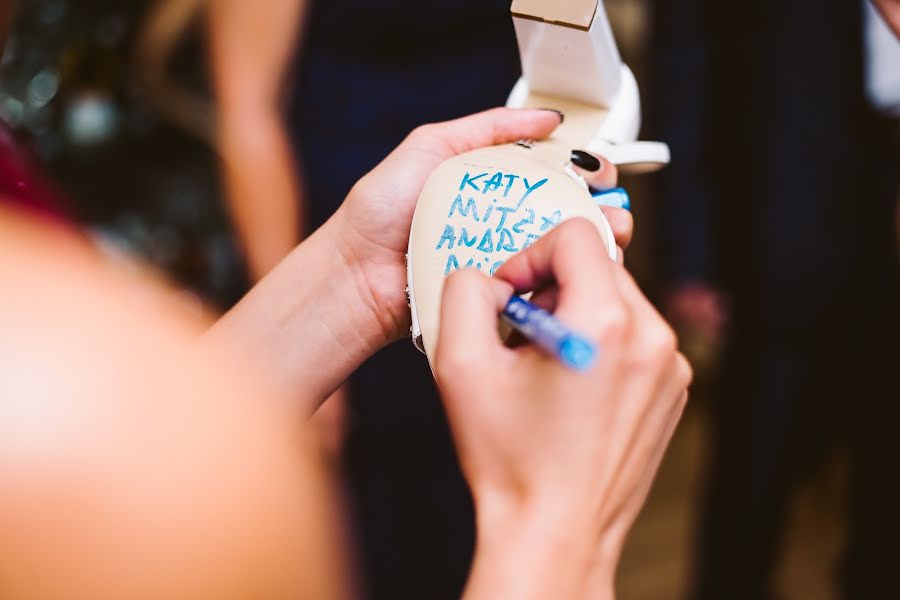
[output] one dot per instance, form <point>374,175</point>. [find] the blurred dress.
<point>371,71</point>
<point>22,186</point>
<point>783,193</point>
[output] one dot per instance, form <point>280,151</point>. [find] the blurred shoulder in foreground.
<point>133,464</point>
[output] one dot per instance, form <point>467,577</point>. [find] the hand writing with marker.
<point>559,461</point>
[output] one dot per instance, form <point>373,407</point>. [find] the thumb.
<point>468,331</point>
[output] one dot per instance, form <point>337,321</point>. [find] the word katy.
<point>497,182</point>
<point>492,229</point>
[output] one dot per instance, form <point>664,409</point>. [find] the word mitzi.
<point>492,218</point>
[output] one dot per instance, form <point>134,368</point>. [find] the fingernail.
<point>585,160</point>
<point>561,114</point>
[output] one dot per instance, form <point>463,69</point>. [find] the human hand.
<point>372,227</point>
<point>341,290</point>
<point>559,462</point>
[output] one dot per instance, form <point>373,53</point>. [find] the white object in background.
<point>568,50</point>
<point>568,53</point>
<point>882,62</point>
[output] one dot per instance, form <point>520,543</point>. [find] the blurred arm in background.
<point>251,47</point>
<point>133,462</point>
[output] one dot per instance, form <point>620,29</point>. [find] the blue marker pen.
<point>616,197</point>
<point>548,333</point>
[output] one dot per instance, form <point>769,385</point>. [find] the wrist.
<point>351,286</point>
<point>379,276</point>
<point>309,323</point>
<point>531,550</point>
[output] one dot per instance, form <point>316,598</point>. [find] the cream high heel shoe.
<point>480,208</point>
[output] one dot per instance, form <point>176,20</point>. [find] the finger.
<point>655,341</point>
<point>598,172</point>
<point>655,346</point>
<point>671,390</point>
<point>468,330</point>
<point>488,128</point>
<point>572,255</point>
<point>546,298</point>
<point>684,373</point>
<point>670,425</point>
<point>653,431</point>
<point>673,418</point>
<point>622,224</point>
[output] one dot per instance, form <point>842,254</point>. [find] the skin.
<point>251,48</point>
<point>595,439</point>
<point>174,465</point>
<point>353,268</point>
<point>132,464</point>
<point>890,10</point>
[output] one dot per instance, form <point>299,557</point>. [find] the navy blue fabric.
<point>783,192</point>
<point>373,71</point>
<point>370,72</point>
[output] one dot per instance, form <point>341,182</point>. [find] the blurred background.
<point>208,137</point>
<point>71,94</point>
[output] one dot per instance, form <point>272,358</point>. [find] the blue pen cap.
<point>616,197</point>
<point>577,353</point>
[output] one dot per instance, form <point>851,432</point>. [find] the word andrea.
<point>492,230</point>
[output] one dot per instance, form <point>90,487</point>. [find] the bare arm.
<point>133,463</point>
<point>251,47</point>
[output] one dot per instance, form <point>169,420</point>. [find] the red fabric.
<point>22,186</point>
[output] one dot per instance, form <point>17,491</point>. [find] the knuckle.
<point>660,345</point>
<point>665,342</point>
<point>452,360</point>
<point>612,325</point>
<point>578,227</point>
<point>582,234</point>
<point>426,131</point>
<point>685,371</point>
<point>463,279</point>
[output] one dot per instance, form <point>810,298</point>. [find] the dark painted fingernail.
<point>586,161</point>
<point>561,114</point>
